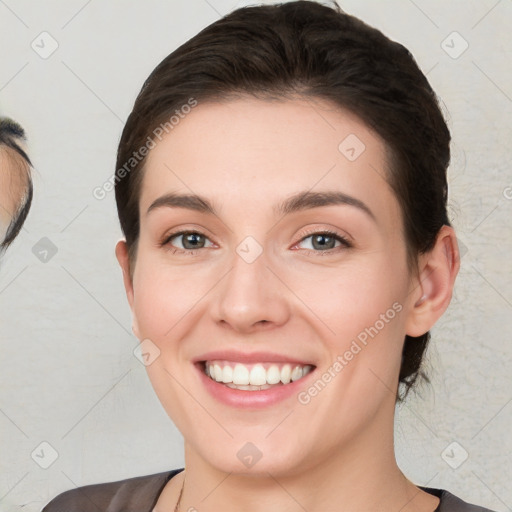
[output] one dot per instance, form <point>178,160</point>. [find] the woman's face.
<point>258,290</point>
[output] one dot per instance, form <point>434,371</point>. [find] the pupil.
<point>317,239</point>
<point>192,237</point>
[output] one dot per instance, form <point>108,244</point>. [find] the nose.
<point>252,297</point>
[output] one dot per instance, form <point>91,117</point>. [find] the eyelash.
<point>346,244</point>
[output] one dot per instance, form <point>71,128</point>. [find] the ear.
<point>433,289</point>
<point>124,262</point>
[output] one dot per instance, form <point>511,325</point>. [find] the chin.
<point>253,460</point>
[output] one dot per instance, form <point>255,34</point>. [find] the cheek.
<point>164,297</point>
<point>354,298</point>
<point>165,301</point>
<point>344,303</point>
<point>362,316</point>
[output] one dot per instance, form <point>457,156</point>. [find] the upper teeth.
<point>257,375</point>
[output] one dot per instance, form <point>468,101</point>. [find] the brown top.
<point>140,494</point>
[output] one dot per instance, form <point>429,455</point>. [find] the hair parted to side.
<point>11,135</point>
<point>305,49</point>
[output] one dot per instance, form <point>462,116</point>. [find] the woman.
<point>281,185</point>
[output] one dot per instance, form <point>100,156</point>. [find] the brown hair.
<point>311,50</point>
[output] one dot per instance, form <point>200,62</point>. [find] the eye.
<point>325,242</point>
<point>322,242</point>
<point>190,241</point>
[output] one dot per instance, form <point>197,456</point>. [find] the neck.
<point>360,475</point>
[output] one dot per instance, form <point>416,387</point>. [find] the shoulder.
<point>133,494</point>
<point>451,503</point>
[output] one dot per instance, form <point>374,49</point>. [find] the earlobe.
<point>124,262</point>
<point>433,290</point>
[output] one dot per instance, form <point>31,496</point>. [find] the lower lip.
<point>251,399</point>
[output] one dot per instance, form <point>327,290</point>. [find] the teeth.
<point>296,373</point>
<point>217,372</point>
<point>240,375</point>
<point>227,374</point>
<point>249,387</point>
<point>254,377</point>
<point>273,375</point>
<point>258,376</point>
<point>286,374</point>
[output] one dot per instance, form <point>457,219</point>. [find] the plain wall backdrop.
<point>69,73</point>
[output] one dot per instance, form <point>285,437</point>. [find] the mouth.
<point>252,380</point>
<point>256,376</point>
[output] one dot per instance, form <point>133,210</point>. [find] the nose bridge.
<point>250,294</point>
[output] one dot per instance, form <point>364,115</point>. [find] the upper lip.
<point>249,357</point>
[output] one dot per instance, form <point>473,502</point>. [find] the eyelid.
<point>346,237</point>
<point>182,230</point>
<point>345,241</point>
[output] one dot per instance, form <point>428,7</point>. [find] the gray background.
<point>68,375</point>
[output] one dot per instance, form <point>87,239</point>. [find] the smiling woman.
<point>287,252</point>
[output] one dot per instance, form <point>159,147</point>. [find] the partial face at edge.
<point>296,294</point>
<point>13,186</point>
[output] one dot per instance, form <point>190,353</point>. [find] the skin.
<point>13,185</point>
<point>245,156</point>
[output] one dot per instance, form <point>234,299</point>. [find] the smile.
<point>254,377</point>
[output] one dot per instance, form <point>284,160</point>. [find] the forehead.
<point>251,153</point>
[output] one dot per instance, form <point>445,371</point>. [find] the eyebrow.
<point>298,202</point>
